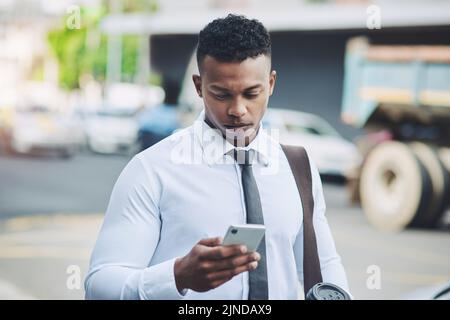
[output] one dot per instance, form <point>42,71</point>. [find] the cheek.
<point>258,108</point>
<point>216,108</point>
<point>259,105</point>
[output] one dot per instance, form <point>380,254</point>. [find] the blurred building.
<point>29,72</point>
<point>309,39</point>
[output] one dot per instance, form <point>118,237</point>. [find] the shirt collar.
<point>216,149</point>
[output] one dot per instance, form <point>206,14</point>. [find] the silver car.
<point>332,154</point>
<point>43,130</point>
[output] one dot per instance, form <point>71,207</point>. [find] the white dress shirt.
<point>187,187</point>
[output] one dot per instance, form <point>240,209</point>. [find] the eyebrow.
<point>216,87</point>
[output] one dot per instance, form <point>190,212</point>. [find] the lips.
<point>244,126</point>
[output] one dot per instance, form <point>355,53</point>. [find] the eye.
<point>251,95</point>
<point>221,96</point>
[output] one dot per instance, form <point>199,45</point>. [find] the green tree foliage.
<point>140,5</point>
<point>80,51</point>
<point>130,45</point>
<point>84,51</point>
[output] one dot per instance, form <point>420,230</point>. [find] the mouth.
<point>238,127</point>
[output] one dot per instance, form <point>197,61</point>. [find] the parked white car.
<point>332,154</point>
<point>111,130</point>
<point>38,129</point>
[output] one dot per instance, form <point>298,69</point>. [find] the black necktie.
<point>258,285</point>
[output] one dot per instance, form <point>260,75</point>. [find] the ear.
<point>198,84</point>
<point>272,80</point>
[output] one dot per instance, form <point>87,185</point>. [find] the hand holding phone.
<point>210,264</point>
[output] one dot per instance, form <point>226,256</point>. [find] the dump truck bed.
<point>396,80</point>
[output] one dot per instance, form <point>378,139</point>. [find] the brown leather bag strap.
<point>300,167</point>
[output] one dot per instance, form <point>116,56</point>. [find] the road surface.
<point>51,210</point>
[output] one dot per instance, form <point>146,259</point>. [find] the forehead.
<point>236,74</point>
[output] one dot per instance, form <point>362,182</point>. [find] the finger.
<point>218,283</point>
<point>232,262</point>
<point>221,252</point>
<point>230,273</point>
<point>211,242</point>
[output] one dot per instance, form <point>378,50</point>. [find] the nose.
<point>237,108</point>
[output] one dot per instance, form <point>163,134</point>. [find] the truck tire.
<point>444,156</point>
<point>440,183</point>
<point>395,188</point>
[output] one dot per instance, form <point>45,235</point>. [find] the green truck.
<point>400,96</point>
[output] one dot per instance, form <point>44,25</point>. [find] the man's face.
<point>235,95</point>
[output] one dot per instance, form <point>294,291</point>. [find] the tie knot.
<point>243,157</point>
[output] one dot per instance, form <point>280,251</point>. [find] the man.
<point>161,235</point>
<point>161,120</point>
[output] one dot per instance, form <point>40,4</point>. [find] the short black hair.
<point>233,38</point>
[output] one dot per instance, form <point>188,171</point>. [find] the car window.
<point>312,125</point>
<point>298,123</point>
<point>303,129</point>
<point>324,128</point>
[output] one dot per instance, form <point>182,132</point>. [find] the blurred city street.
<point>362,85</point>
<point>46,227</point>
